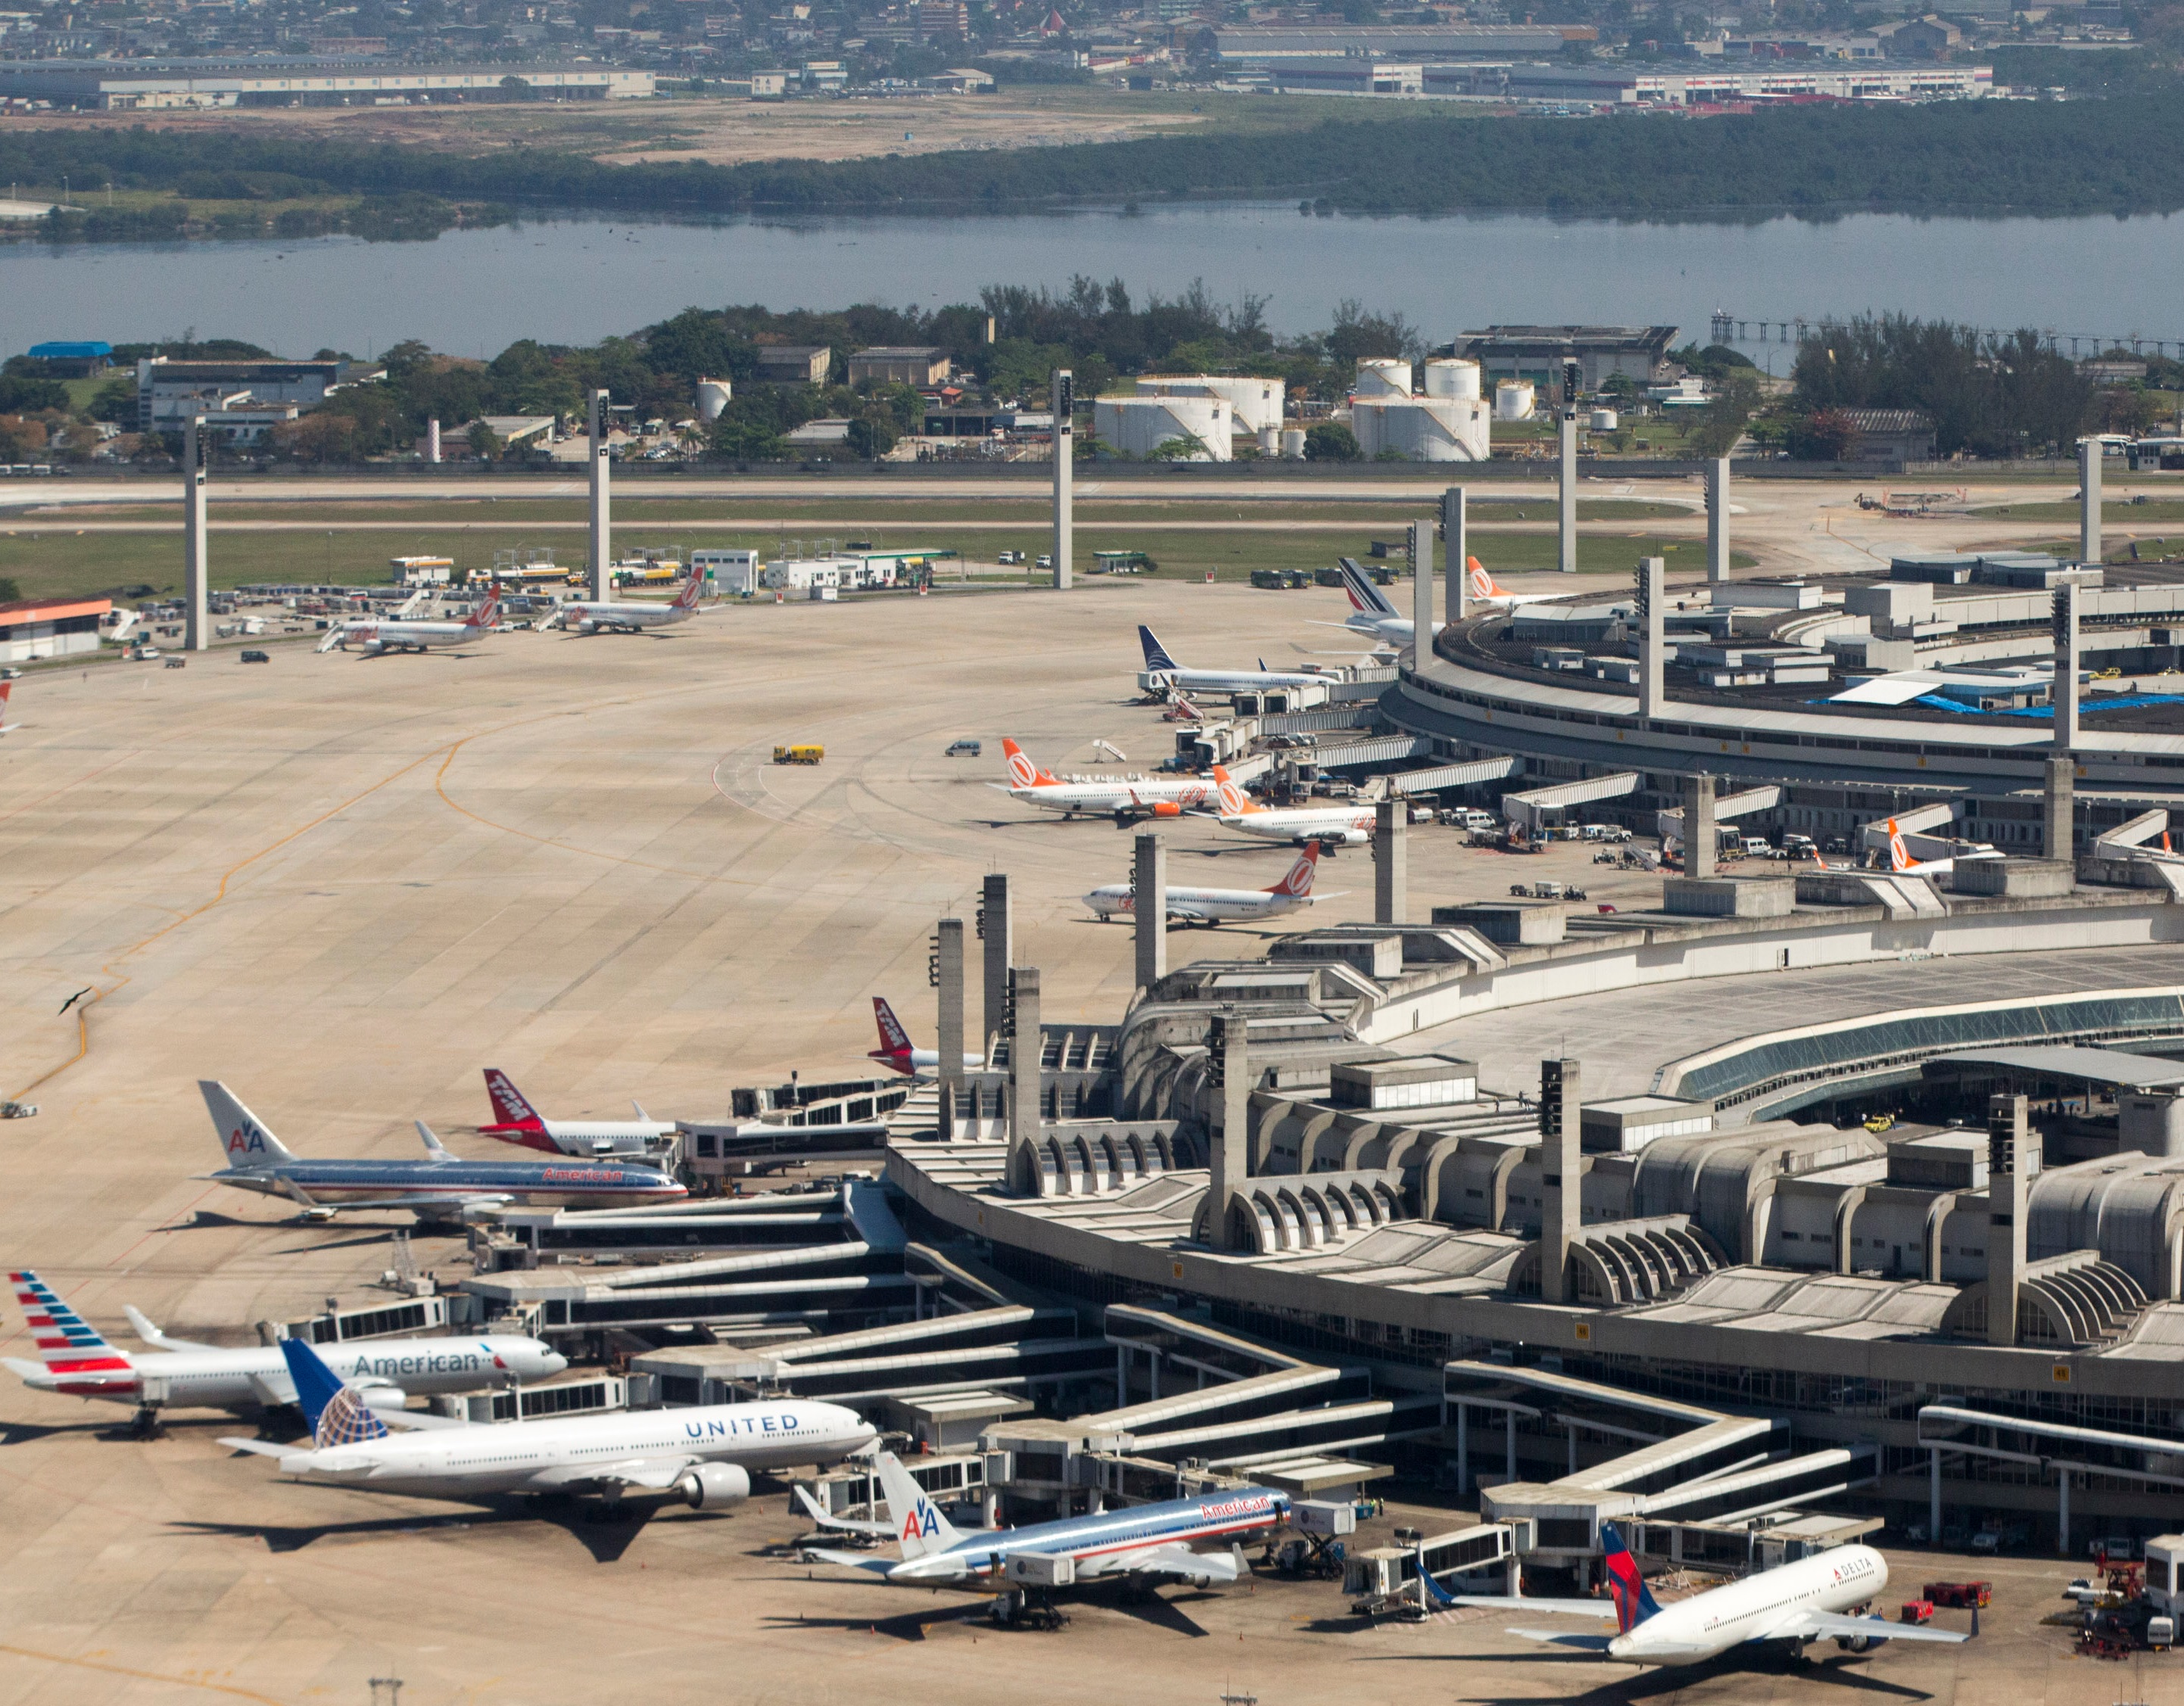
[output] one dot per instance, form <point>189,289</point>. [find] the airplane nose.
<point>553,1362</point>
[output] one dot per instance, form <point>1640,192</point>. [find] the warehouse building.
<point>120,85</point>
<point>50,627</point>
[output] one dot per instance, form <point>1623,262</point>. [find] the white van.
<point>1758,846</point>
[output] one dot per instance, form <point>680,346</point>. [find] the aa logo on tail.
<point>245,1140</point>
<point>923,1522</point>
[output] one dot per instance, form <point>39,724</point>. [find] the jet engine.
<point>1860,1643</point>
<point>383,1398</point>
<point>713,1486</point>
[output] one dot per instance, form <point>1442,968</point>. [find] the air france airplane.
<point>1162,671</point>
<point>1372,614</point>
<point>373,637</point>
<point>629,615</point>
<point>1212,906</point>
<point>895,1053</point>
<point>1794,1605</point>
<point>80,1362</point>
<point>703,1455</point>
<point>516,1121</point>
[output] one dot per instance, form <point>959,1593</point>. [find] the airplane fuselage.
<point>1351,828</point>
<point>1708,1625</point>
<point>407,637</point>
<point>1177,1523</point>
<point>529,1184</point>
<point>1199,905</point>
<point>627,616</point>
<point>1127,797</point>
<point>254,1375</point>
<point>1180,679</point>
<point>582,1136</point>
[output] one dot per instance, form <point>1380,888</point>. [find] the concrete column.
<point>601,537</point>
<point>1390,862</point>
<point>1717,503</point>
<point>1065,439</point>
<point>1228,1162</point>
<point>1456,539</point>
<point>1462,1449</point>
<point>2064,693</point>
<point>994,931</point>
<point>1566,495</point>
<point>197,562</point>
<point>1561,1177</point>
<point>950,966</point>
<point>2089,500</point>
<point>2063,1513</point>
<point>2011,1161</point>
<point>1653,638</point>
<point>1149,906</point>
<point>1509,1445</point>
<point>1024,1051</point>
<point>1700,840</point>
<point>432,442</point>
<point>1422,591</point>
<point>2061,813</point>
<point>1934,1496</point>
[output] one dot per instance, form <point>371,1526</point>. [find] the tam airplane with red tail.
<point>1123,798</point>
<point>895,1053</point>
<point>629,615</point>
<point>375,636</point>
<point>516,1121</point>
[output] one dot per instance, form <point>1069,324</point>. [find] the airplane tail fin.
<point>1023,772</point>
<point>1363,592</point>
<point>487,614</point>
<point>893,1039</point>
<point>918,1523</point>
<point>1298,883</point>
<point>509,1105</point>
<point>337,1414</point>
<point>245,1141</point>
<point>1157,656</point>
<point>1234,803</point>
<point>434,1148</point>
<point>7,689</point>
<point>1899,856</point>
<point>687,600</point>
<point>69,1344</point>
<point>1633,1600</point>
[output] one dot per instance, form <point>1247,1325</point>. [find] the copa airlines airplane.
<point>1221,905</point>
<point>629,616</point>
<point>441,1186</point>
<point>1035,785</point>
<point>80,1362</point>
<point>1162,671</point>
<point>1793,1604</point>
<point>1322,826</point>
<point>373,637</point>
<point>895,1053</point>
<point>1150,1542</point>
<point>703,1455</point>
<point>516,1121</point>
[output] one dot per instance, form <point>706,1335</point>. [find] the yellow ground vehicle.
<point>799,755</point>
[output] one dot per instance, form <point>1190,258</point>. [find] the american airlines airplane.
<point>373,637</point>
<point>516,1121</point>
<point>629,616</point>
<point>441,1186</point>
<point>1162,671</point>
<point>896,1052</point>
<point>1794,1605</point>
<point>1211,906</point>
<point>703,1455</point>
<point>1148,797</point>
<point>1147,1543</point>
<point>1322,825</point>
<point>80,1362</point>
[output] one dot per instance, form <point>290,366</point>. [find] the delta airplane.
<point>1372,614</point>
<point>1323,826</point>
<point>895,1053</point>
<point>1036,786</point>
<point>1162,671</point>
<point>1793,1604</point>
<point>516,1121</point>
<point>441,1186</point>
<point>80,1362</point>
<point>703,1455</point>
<point>1211,906</point>
<point>629,616</point>
<point>374,637</point>
<point>1147,1543</point>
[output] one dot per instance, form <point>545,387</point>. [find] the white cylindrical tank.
<point>713,395</point>
<point>1381,375</point>
<point>1254,404</point>
<point>1293,444</point>
<point>1514,400</point>
<point>1423,429</point>
<point>1140,425</point>
<point>1270,440</point>
<point>432,440</point>
<point>1451,375</point>
<point>1603,420</point>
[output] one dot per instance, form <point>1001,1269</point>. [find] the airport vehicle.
<point>374,637</point>
<point>964,749</point>
<point>628,615</point>
<point>516,1121</point>
<point>799,755</point>
<point>1961,1594</point>
<point>441,1186</point>
<point>1792,1604</point>
<point>896,1052</point>
<point>79,1361</point>
<point>1211,906</point>
<point>6,688</point>
<point>1125,799</point>
<point>251,654</point>
<point>704,1455</point>
<point>1324,826</point>
<point>1146,1543</point>
<point>1163,672</point>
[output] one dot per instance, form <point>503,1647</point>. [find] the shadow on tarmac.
<point>1670,1681</point>
<point>606,1534</point>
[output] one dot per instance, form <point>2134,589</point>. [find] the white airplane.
<point>80,1362</point>
<point>1794,1605</point>
<point>1322,825</point>
<point>516,1121</point>
<point>1900,864</point>
<point>1162,672</point>
<point>896,1052</point>
<point>6,688</point>
<point>1373,613</point>
<point>373,637</point>
<point>703,1455</point>
<point>630,616</point>
<point>1145,798</point>
<point>1219,905</point>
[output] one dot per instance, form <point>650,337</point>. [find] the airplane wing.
<point>1601,1609</point>
<point>1188,913</point>
<point>423,1199</point>
<point>1813,1626</point>
<point>653,1474</point>
<point>141,1324</point>
<point>419,1420</point>
<point>273,1389</point>
<point>266,1447</point>
<point>852,1561</point>
<point>1164,1560</point>
<point>1556,1637</point>
<point>847,1524</point>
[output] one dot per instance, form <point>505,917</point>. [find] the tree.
<point>1826,435</point>
<point>748,441</point>
<point>484,443</point>
<point>1184,447</point>
<point>1735,399</point>
<point>1331,442</point>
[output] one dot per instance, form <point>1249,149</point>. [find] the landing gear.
<point>145,1424</point>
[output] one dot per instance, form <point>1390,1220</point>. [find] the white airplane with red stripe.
<point>1147,798</point>
<point>6,689</point>
<point>628,615</point>
<point>374,637</point>
<point>1318,825</point>
<point>1220,905</point>
<point>895,1053</point>
<point>516,1121</point>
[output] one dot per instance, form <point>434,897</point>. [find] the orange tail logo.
<point>1022,773</point>
<point>1298,883</point>
<point>1482,583</point>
